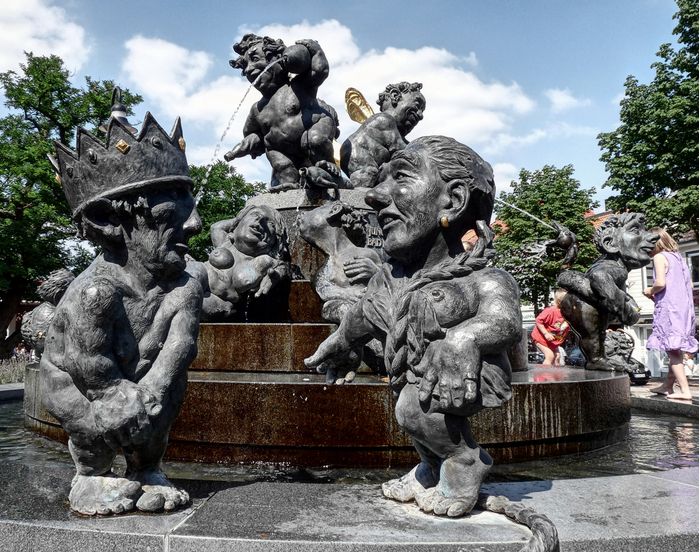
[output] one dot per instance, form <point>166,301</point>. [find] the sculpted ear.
<point>335,210</point>
<point>459,196</point>
<point>101,223</point>
<point>609,244</point>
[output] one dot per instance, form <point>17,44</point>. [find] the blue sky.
<point>525,84</point>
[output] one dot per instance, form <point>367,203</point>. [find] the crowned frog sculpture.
<point>114,369</point>
<point>248,274</point>
<point>599,297</point>
<point>382,134</point>
<point>445,320</point>
<point>289,124</point>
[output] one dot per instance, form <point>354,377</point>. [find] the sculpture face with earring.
<point>444,347</point>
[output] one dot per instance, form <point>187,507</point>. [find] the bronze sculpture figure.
<point>289,124</point>
<point>114,370</point>
<point>445,320</point>
<point>382,134</point>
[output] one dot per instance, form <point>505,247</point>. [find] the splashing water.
<point>228,126</point>
<point>525,212</point>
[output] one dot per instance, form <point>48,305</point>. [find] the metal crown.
<point>124,163</point>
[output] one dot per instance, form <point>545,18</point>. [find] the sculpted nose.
<point>192,225</point>
<point>378,198</point>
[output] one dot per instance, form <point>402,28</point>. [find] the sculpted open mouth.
<point>252,75</point>
<point>387,221</point>
<point>257,231</point>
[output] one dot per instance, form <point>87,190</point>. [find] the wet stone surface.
<point>656,443</point>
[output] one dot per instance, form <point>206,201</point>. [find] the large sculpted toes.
<point>451,507</point>
<point>403,489</point>
<point>431,500</point>
<point>426,499</point>
<point>158,492</point>
<point>103,495</point>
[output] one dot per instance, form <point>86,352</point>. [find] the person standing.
<point>551,330</point>
<point>688,365</point>
<point>673,317</point>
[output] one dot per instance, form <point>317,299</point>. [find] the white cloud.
<point>563,100</point>
<point>471,59</point>
<point>336,39</point>
<point>616,100</point>
<point>36,26</point>
<point>505,173</point>
<point>459,104</point>
<point>506,141</point>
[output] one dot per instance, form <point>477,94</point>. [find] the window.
<point>693,262</point>
<point>649,275</point>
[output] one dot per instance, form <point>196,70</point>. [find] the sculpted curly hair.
<point>271,47</point>
<point>394,92</point>
<point>611,224</point>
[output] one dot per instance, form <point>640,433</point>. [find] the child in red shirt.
<point>550,331</point>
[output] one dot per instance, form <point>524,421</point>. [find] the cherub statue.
<point>114,370</point>
<point>445,320</point>
<point>251,262</point>
<point>599,296</point>
<point>382,134</point>
<point>337,229</point>
<point>289,124</point>
<point>36,322</point>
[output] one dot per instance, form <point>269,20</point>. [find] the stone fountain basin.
<point>296,419</point>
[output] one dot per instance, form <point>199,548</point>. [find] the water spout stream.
<point>228,126</point>
<point>526,213</point>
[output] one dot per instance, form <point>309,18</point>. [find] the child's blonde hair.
<point>665,243</point>
<point>558,297</point>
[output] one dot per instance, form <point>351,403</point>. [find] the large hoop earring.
<point>444,221</point>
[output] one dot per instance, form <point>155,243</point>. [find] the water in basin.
<point>657,442</point>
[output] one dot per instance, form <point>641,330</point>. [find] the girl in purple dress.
<point>673,318</point>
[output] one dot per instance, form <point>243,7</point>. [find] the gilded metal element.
<point>122,146</point>
<point>356,105</point>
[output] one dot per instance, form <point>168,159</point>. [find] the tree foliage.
<point>549,194</point>
<point>223,196</point>
<point>653,156</point>
<point>35,224</point>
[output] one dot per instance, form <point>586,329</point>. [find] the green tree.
<point>223,196</point>
<point>35,223</point>
<point>653,156</point>
<point>549,194</point>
